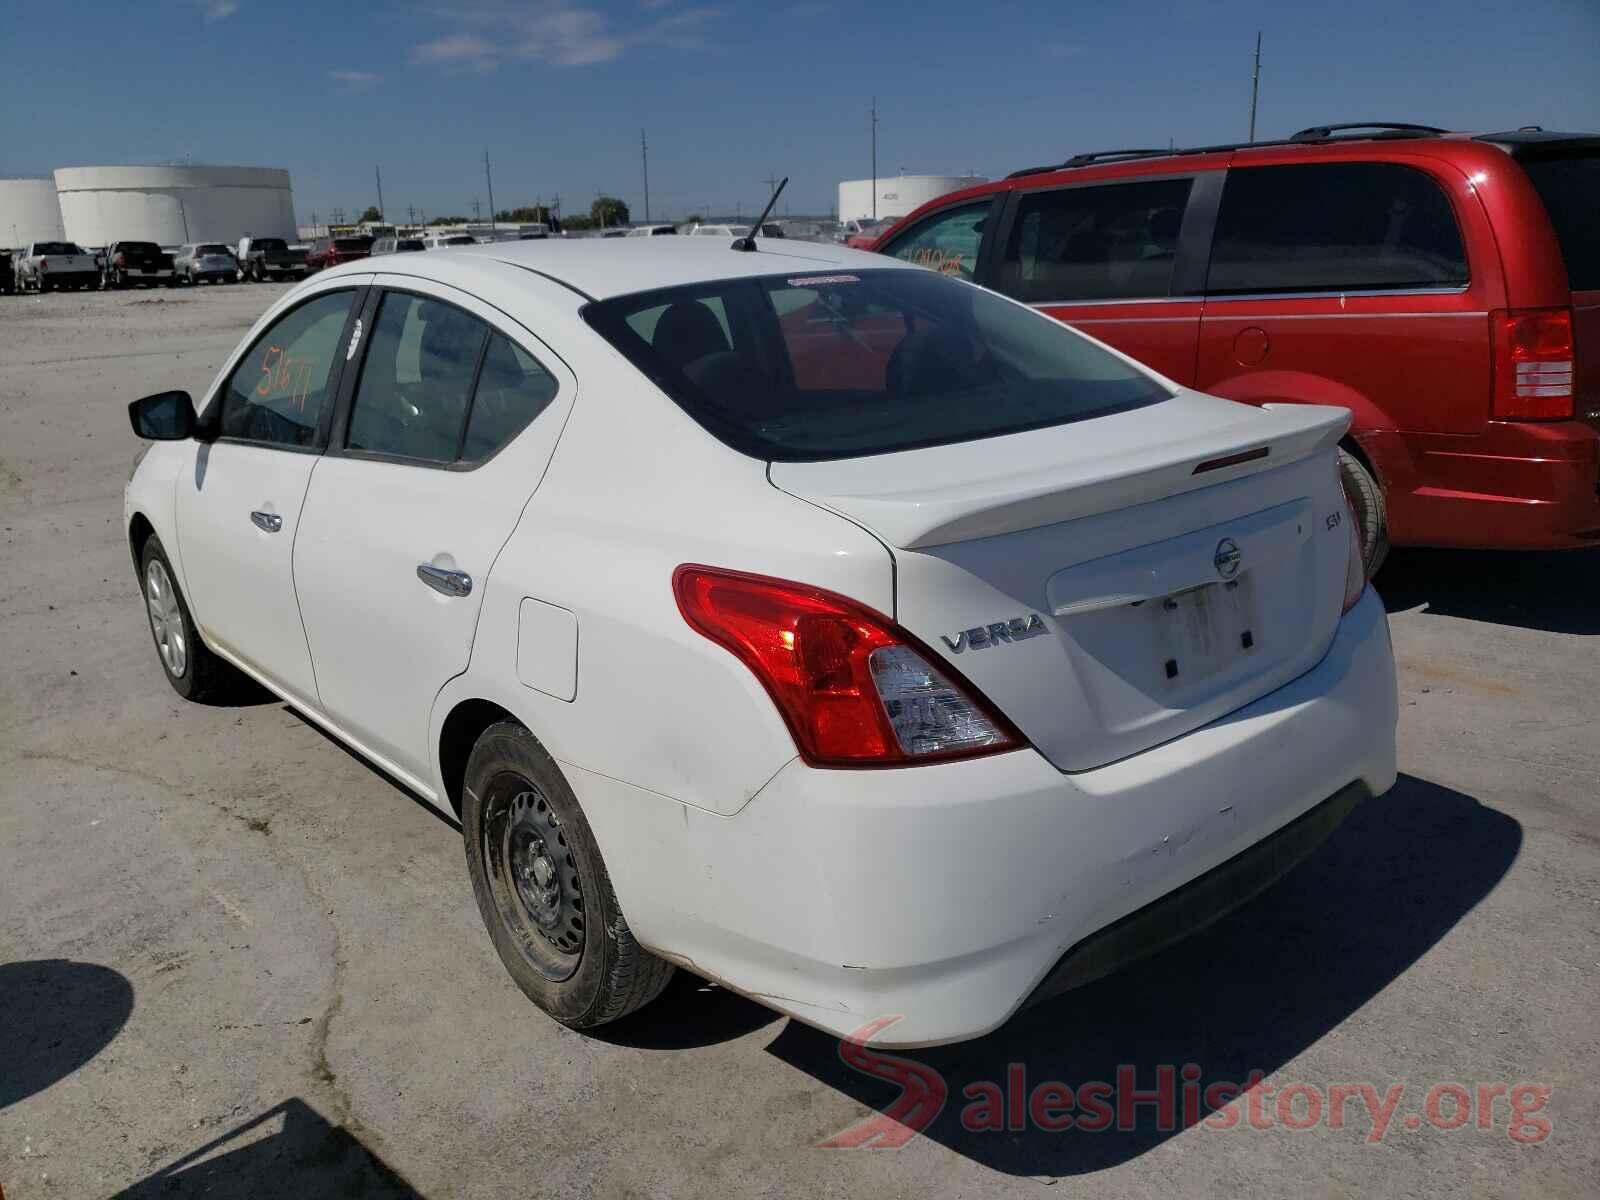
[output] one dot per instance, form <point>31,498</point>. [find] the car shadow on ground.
<point>291,1150</point>
<point>1248,994</point>
<point>1551,591</point>
<point>691,1012</point>
<point>400,786</point>
<point>55,1016</point>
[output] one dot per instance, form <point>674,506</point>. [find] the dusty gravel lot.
<point>237,961</point>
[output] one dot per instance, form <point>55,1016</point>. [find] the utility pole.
<point>644,157</point>
<point>378,171</point>
<point>1255,87</point>
<point>489,179</point>
<point>874,158</point>
<point>411,214</point>
<point>477,210</point>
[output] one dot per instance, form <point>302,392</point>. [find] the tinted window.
<point>1114,242</point>
<point>277,392</point>
<point>513,389</point>
<point>210,248</point>
<point>268,244</point>
<point>417,377</point>
<point>352,245</point>
<point>138,248</point>
<point>55,248</point>
<point>1334,226</point>
<point>1570,188</point>
<point>946,242</point>
<point>800,368</point>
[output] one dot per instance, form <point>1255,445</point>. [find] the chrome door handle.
<point>271,522</point>
<point>450,583</point>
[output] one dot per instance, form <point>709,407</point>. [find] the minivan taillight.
<point>1532,364</point>
<point>854,688</point>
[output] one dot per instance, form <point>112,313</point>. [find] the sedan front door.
<point>238,510</point>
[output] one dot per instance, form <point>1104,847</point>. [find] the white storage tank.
<point>171,205</point>
<point>29,212</point>
<point>897,194</point>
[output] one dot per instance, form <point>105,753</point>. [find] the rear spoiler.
<point>1058,474</point>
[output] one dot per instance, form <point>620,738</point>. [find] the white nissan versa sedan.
<point>834,629</point>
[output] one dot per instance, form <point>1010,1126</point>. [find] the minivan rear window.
<point>842,364</point>
<point>1332,227</point>
<point>1569,185</point>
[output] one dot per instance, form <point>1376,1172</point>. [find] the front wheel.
<point>193,671</point>
<point>542,887</point>
<point>1372,514</point>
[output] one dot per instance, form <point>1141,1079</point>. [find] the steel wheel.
<point>532,876</point>
<point>166,619</point>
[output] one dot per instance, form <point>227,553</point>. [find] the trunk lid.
<point>1114,583</point>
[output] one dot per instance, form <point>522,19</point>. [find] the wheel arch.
<point>463,724</point>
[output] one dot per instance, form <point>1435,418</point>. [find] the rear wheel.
<point>542,887</point>
<point>193,671</point>
<point>1372,514</point>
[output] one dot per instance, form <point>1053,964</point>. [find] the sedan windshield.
<point>807,367</point>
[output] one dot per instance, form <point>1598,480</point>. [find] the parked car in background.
<point>612,233</point>
<point>652,230</point>
<point>439,241</point>
<point>206,262</point>
<point>123,263</point>
<point>48,266</point>
<point>861,234</point>
<point>1444,287</point>
<point>331,251</point>
<point>1023,660</point>
<point>8,271</point>
<point>396,245</point>
<point>270,258</point>
<point>721,231</point>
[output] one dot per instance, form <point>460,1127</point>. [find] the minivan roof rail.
<point>1316,133</point>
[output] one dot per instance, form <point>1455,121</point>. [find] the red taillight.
<point>44,264</point>
<point>121,262</point>
<point>1532,364</point>
<point>855,689</point>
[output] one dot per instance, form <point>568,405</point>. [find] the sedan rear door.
<point>437,446</point>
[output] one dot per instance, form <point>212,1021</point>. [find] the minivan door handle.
<point>271,522</point>
<point>449,583</point>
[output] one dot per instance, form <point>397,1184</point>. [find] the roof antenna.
<point>748,242</point>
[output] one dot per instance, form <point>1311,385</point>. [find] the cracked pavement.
<point>237,961</point>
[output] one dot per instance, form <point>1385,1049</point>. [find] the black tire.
<point>577,960</point>
<point>1372,514</point>
<point>203,677</point>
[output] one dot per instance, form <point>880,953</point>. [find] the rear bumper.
<point>1517,485</point>
<point>945,895</point>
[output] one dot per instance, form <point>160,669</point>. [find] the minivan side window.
<point>277,392</point>
<point>1118,241</point>
<point>416,380</point>
<point>946,242</point>
<point>1323,227</point>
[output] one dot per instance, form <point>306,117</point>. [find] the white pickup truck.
<point>46,265</point>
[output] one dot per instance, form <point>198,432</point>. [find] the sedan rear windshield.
<point>211,248</point>
<point>353,244</point>
<point>1569,185</point>
<point>800,368</point>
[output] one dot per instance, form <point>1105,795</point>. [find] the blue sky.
<point>558,91</point>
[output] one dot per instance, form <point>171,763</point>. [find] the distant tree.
<point>577,222</point>
<point>694,219</point>
<point>448,221</point>
<point>528,214</point>
<point>371,214</point>
<point>609,211</point>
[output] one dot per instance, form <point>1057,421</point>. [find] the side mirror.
<point>164,417</point>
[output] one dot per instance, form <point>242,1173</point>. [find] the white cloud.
<point>212,11</point>
<point>562,34</point>
<point>355,81</point>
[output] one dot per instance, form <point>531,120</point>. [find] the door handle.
<point>449,583</point>
<point>271,522</point>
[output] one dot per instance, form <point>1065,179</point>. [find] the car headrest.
<point>687,331</point>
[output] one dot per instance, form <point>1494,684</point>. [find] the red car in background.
<point>331,251</point>
<point>1445,287</point>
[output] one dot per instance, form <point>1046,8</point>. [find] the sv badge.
<point>1017,629</point>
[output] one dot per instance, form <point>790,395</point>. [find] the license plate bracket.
<point>1202,631</point>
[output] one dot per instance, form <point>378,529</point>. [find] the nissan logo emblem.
<point>1227,558</point>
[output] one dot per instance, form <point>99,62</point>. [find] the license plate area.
<point>1202,632</point>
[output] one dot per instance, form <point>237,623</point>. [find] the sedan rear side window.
<point>1328,227</point>
<point>1114,242</point>
<point>845,364</point>
<point>513,389</point>
<point>277,392</point>
<point>417,379</point>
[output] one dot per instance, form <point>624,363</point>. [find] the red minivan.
<point>1445,287</point>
